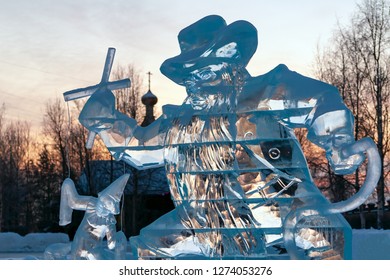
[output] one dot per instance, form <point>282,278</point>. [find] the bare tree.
<point>342,66</point>
<point>68,138</point>
<point>2,112</point>
<point>128,100</point>
<point>357,63</point>
<point>47,194</point>
<point>55,126</point>
<point>374,23</point>
<point>15,145</point>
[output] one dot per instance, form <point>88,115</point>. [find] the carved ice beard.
<point>201,163</point>
<point>215,91</point>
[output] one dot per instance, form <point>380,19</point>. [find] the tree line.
<point>357,61</point>
<point>32,168</point>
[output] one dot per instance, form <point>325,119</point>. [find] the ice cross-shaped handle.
<point>104,83</point>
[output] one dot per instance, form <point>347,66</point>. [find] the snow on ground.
<point>32,242</point>
<point>368,244</point>
<point>371,244</point>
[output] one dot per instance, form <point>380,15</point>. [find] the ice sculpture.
<point>98,223</point>
<point>237,174</point>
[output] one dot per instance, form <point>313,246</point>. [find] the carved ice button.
<point>274,153</point>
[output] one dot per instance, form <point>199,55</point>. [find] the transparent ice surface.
<point>237,174</point>
<point>58,251</point>
<point>98,223</point>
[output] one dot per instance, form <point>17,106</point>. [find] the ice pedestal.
<point>316,237</point>
<point>166,238</point>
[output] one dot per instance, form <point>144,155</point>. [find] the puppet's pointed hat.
<point>115,190</point>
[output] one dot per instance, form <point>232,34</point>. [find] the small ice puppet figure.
<point>234,166</point>
<point>98,222</point>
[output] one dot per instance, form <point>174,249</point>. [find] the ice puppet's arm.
<point>110,234</point>
<point>71,200</point>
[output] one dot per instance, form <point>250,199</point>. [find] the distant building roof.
<point>149,99</point>
<point>103,172</point>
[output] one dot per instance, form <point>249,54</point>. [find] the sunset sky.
<point>48,47</point>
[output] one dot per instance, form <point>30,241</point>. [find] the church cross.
<point>149,74</point>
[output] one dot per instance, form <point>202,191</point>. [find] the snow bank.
<point>368,244</point>
<point>32,242</point>
<point>371,244</point>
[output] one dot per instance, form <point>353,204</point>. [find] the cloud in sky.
<point>49,47</point>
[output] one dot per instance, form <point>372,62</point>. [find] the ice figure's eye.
<point>206,75</point>
<point>228,50</point>
<point>101,210</point>
<point>190,81</point>
<point>110,205</point>
<point>188,65</point>
<point>248,134</point>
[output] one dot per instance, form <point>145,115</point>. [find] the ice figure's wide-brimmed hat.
<point>210,41</point>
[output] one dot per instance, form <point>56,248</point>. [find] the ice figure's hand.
<point>99,111</point>
<point>341,164</point>
<point>111,240</point>
<point>111,244</point>
<point>100,116</point>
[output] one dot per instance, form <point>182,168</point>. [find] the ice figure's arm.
<point>136,145</point>
<point>305,102</point>
<point>71,200</point>
<point>149,135</point>
<point>283,91</point>
<point>365,145</point>
<point>110,234</point>
<point>100,116</point>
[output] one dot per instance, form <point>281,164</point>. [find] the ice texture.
<point>98,223</point>
<point>237,174</point>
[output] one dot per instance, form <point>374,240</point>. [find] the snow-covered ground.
<point>30,246</point>
<point>369,244</point>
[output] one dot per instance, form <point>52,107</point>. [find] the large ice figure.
<point>98,223</point>
<point>237,174</point>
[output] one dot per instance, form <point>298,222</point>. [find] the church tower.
<point>149,100</point>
